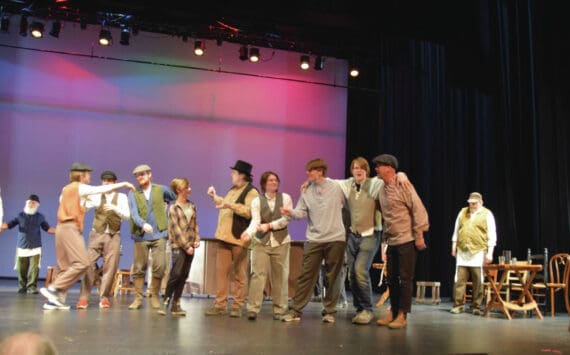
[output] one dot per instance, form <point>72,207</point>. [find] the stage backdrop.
<point>67,99</point>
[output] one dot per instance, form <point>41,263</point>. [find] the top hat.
<point>243,167</point>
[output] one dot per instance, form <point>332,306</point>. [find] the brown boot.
<point>154,294</point>
<point>400,321</point>
<point>138,285</point>
<point>176,310</point>
<point>388,318</point>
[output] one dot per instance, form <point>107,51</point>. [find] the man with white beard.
<point>29,249</point>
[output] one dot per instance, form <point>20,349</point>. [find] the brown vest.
<point>70,208</point>
<point>267,216</point>
<point>107,218</point>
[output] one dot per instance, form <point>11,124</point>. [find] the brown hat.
<point>243,167</point>
<point>475,197</point>
<point>77,166</point>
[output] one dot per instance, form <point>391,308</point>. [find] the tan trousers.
<point>463,273</point>
<point>230,257</point>
<point>275,262</point>
<point>71,256</point>
<point>107,246</point>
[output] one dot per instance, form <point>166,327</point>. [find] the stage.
<point>431,330</point>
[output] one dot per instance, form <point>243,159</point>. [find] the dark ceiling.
<point>331,28</point>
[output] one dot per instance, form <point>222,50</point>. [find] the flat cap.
<point>386,159</point>
<point>109,175</point>
<point>77,166</point>
<point>141,169</point>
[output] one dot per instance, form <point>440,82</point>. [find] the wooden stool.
<point>122,282</point>
<point>52,272</point>
<point>421,292</point>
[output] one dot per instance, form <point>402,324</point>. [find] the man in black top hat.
<point>231,253</point>
<point>104,241</point>
<point>29,249</point>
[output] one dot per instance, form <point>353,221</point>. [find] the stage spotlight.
<point>254,55</point>
<point>83,23</point>
<point>55,28</point>
<point>199,48</point>
<point>319,63</point>
<point>305,62</point>
<point>105,38</point>
<point>354,72</point>
<point>125,37</point>
<point>37,29</point>
<point>243,53</point>
<point>5,23</point>
<point>24,26</point>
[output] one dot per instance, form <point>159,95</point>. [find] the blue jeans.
<point>361,252</point>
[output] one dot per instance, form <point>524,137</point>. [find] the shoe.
<point>176,311</point>
<point>82,304</point>
<point>457,310</point>
<point>386,320</point>
<point>33,290</point>
<point>214,311</point>
<point>400,321</point>
<point>104,303</point>
<point>22,290</point>
<point>328,318</point>
<point>363,317</point>
<point>342,304</point>
<point>251,315</point>
<point>317,299</point>
<point>277,316</point>
<point>52,295</point>
<point>48,306</point>
<point>291,317</point>
<point>476,312</point>
<point>235,313</point>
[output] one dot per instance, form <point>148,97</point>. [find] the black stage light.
<point>305,62</point>
<point>24,26</point>
<point>199,48</point>
<point>125,37</point>
<point>5,23</point>
<point>37,29</point>
<point>105,38</point>
<point>55,28</point>
<point>254,55</point>
<point>319,63</point>
<point>243,53</point>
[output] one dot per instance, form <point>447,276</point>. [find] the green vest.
<point>472,233</point>
<point>157,207</point>
<point>103,219</point>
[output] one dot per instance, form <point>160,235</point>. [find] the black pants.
<point>401,269</point>
<point>178,273</point>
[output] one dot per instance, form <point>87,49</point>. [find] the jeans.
<point>361,252</point>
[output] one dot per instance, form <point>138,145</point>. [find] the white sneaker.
<point>52,295</point>
<point>328,318</point>
<point>48,306</point>
<point>363,317</point>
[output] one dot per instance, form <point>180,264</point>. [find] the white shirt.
<point>277,224</point>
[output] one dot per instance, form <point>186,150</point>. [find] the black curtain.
<point>484,108</point>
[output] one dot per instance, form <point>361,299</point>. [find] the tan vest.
<point>362,208</point>
<point>107,218</point>
<point>472,233</point>
<point>70,208</point>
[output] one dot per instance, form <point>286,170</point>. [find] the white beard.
<point>30,211</point>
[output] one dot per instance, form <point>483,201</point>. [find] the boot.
<point>138,285</point>
<point>164,307</point>
<point>400,321</point>
<point>154,294</point>
<point>388,318</point>
<point>177,310</point>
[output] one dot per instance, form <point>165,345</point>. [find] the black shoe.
<point>251,315</point>
<point>33,291</point>
<point>22,290</point>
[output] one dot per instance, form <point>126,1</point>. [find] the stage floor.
<point>431,330</point>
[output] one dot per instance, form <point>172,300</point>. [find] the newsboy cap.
<point>78,166</point>
<point>34,197</point>
<point>141,169</point>
<point>475,197</point>
<point>386,159</point>
<point>109,175</point>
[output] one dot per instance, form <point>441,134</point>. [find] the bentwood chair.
<point>558,273</point>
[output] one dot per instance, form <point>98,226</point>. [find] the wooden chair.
<point>468,296</point>
<point>538,288</point>
<point>122,282</point>
<point>515,283</point>
<point>558,275</point>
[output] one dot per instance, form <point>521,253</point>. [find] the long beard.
<point>30,211</point>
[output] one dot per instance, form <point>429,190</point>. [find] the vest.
<point>157,208</point>
<point>239,223</point>
<point>472,233</point>
<point>103,218</point>
<point>362,208</point>
<point>70,208</point>
<point>267,216</point>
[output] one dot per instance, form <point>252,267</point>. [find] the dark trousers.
<point>178,273</point>
<point>401,266</point>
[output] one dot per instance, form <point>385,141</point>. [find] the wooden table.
<point>525,302</point>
